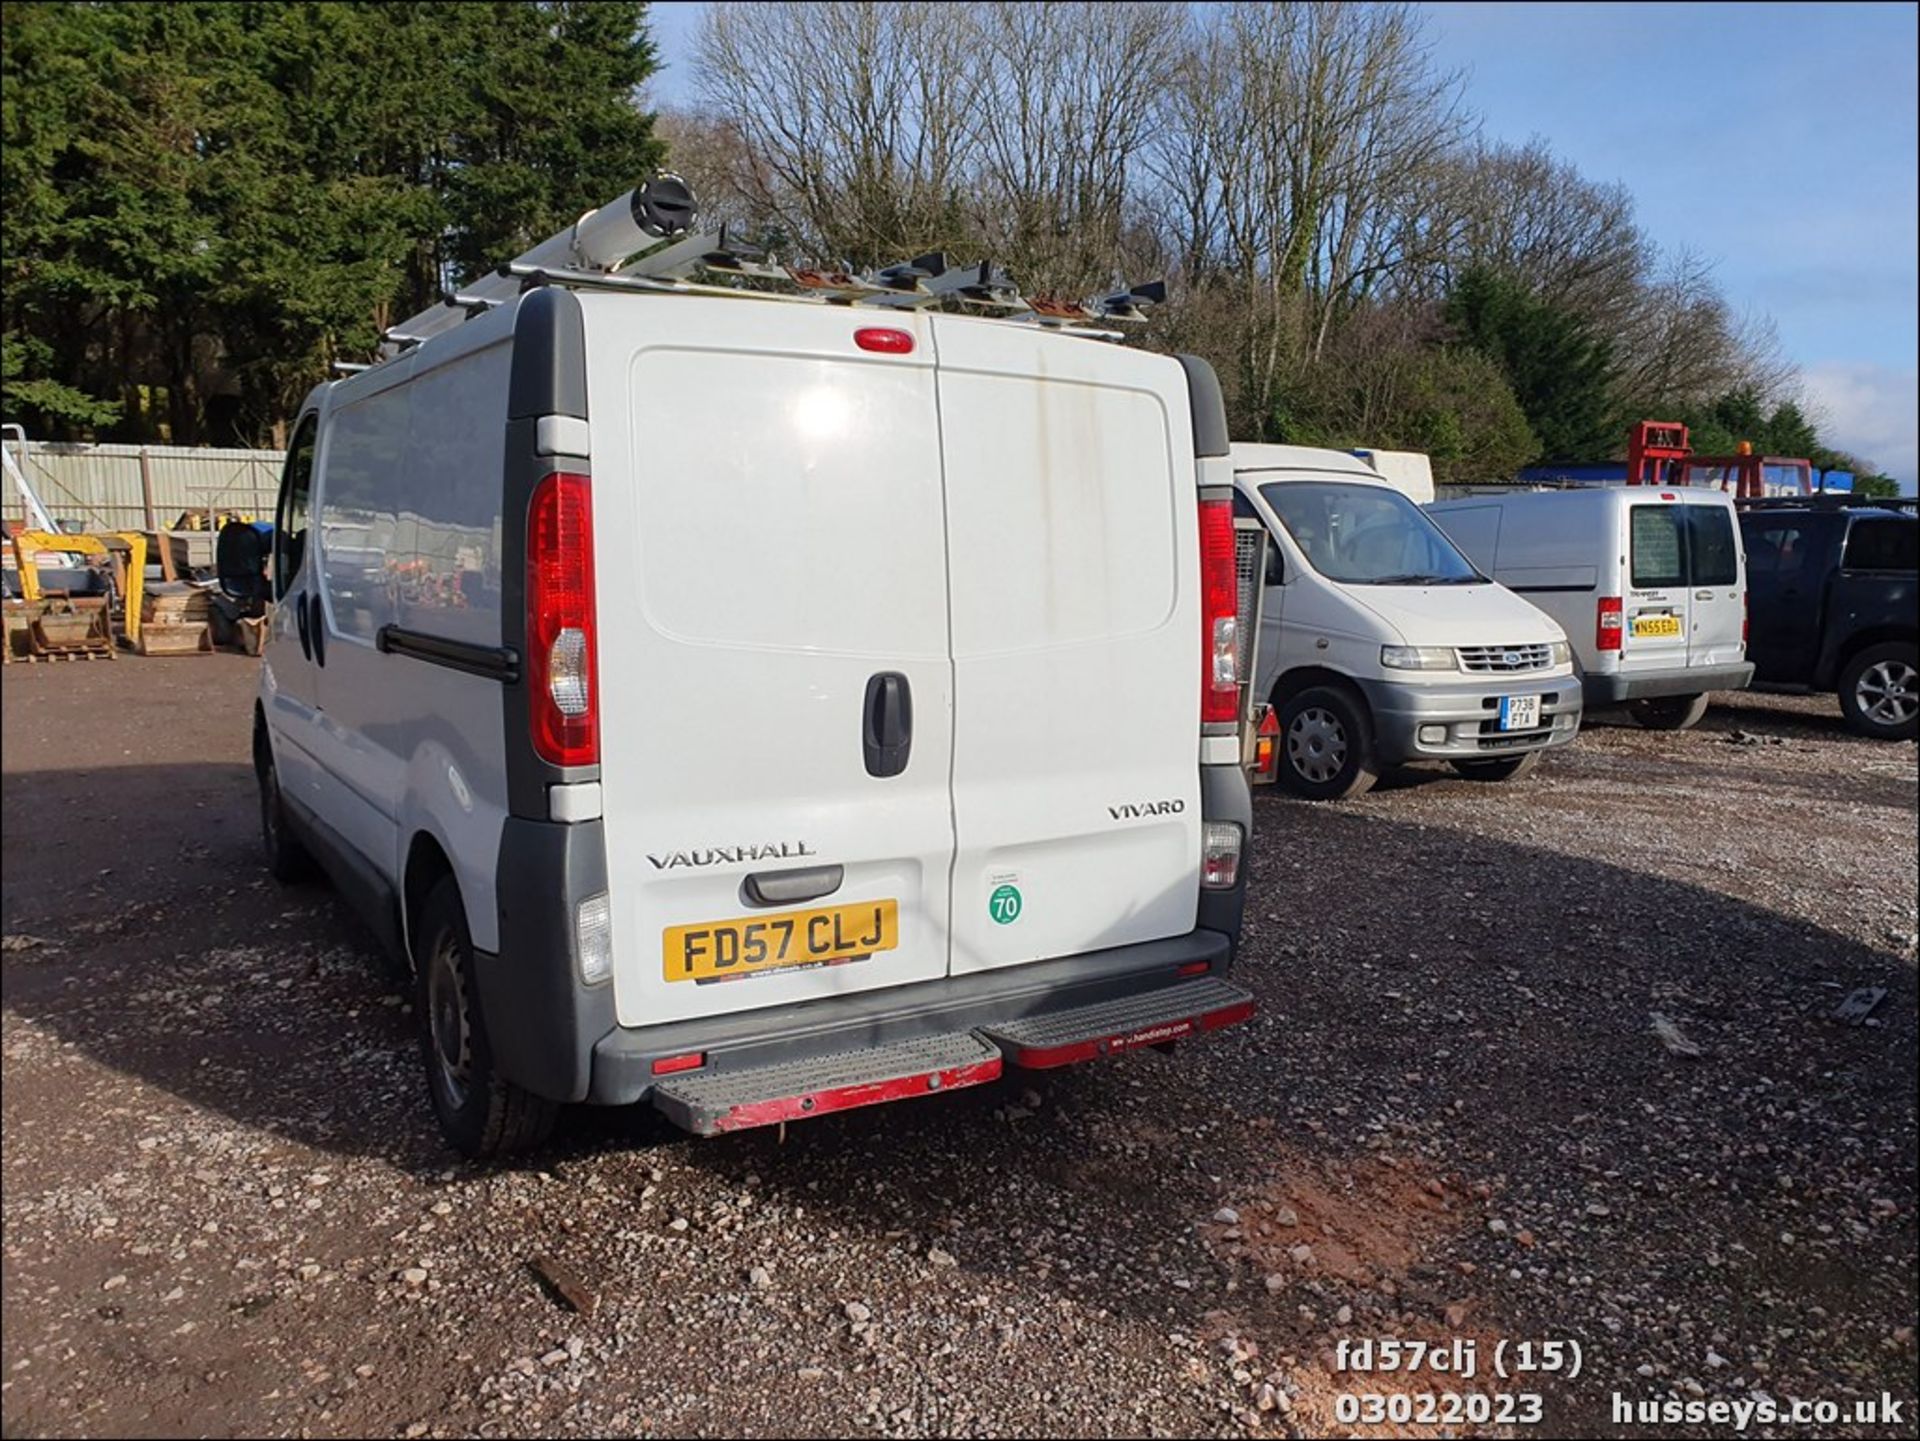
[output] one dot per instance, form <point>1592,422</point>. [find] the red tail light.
<point>1219,623</point>
<point>1746,616</point>
<point>1608,624</point>
<point>562,679</point>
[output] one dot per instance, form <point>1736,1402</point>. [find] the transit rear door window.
<point>1714,560</point>
<point>1659,558</point>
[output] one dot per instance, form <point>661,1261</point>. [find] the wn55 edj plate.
<point>1656,625</point>
<point>721,950</point>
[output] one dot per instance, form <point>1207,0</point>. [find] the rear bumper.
<point>1459,720</point>
<point>561,1039</point>
<point>622,1062</point>
<point>1648,684</point>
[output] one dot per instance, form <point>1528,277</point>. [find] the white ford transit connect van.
<point>1650,584</point>
<point>762,707</point>
<point>1381,644</point>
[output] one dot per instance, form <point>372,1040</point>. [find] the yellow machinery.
<point>61,626</point>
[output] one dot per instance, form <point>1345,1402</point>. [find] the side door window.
<point>1883,545</point>
<point>294,513</point>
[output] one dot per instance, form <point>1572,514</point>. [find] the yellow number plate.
<point>1656,625</point>
<point>717,950</point>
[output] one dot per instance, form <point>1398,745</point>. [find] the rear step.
<point>708,1103</point>
<point>1106,1028</point>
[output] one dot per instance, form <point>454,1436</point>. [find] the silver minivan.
<point>1650,585</point>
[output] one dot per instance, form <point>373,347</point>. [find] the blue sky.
<point>1777,139</point>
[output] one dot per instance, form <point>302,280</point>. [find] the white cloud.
<point>1872,411</point>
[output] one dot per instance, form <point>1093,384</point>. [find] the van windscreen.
<point>1367,535</point>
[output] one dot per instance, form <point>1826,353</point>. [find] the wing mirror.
<point>1276,565</point>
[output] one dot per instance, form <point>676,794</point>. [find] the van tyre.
<point>1507,768</point>
<point>481,1113</point>
<point>1326,746</point>
<point>287,859</point>
<point>1880,692</point>
<point>1669,712</point>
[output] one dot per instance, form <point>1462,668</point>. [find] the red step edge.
<point>1040,1058</point>
<point>846,1098</point>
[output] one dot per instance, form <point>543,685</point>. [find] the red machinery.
<point>1658,454</point>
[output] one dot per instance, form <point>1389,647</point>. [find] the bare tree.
<point>1680,343</point>
<point>857,116</point>
<point>1298,132</point>
<point>1528,214</point>
<point>1065,110</point>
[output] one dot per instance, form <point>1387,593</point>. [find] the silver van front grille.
<point>1505,657</point>
<point>1249,567</point>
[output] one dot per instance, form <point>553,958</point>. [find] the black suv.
<point>1831,587</point>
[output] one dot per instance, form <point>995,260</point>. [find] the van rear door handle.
<point>1703,595</point>
<point>788,888</point>
<point>886,724</point>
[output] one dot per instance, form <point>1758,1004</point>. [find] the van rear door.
<point>1656,610</point>
<point>776,707</point>
<point>1716,619</point>
<point>1073,549</point>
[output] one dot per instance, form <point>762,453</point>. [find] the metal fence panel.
<point>102,487</point>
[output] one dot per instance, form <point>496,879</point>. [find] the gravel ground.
<point>226,1210</point>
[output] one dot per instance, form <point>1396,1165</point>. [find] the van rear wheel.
<point>481,1113</point>
<point>287,860</point>
<point>1326,746</point>
<point>1669,712</point>
<point>1507,768</point>
<point>1880,692</point>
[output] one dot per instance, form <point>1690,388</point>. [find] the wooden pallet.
<point>30,658</point>
<point>159,638</point>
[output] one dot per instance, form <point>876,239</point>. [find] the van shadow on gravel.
<point>1485,1018</point>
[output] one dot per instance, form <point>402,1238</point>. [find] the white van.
<point>1380,644</point>
<point>762,707</point>
<point>1651,584</point>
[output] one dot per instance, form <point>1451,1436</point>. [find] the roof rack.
<point>655,220</point>
<point>1829,500</point>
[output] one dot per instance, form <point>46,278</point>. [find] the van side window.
<point>295,508</point>
<point>1710,549</point>
<point>1657,562</point>
<point>1883,545</point>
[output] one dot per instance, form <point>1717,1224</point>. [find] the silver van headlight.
<point>1561,652</point>
<point>1418,657</point>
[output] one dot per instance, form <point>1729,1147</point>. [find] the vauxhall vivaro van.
<point>761,707</point>
<point>1380,644</point>
<point>1649,583</point>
